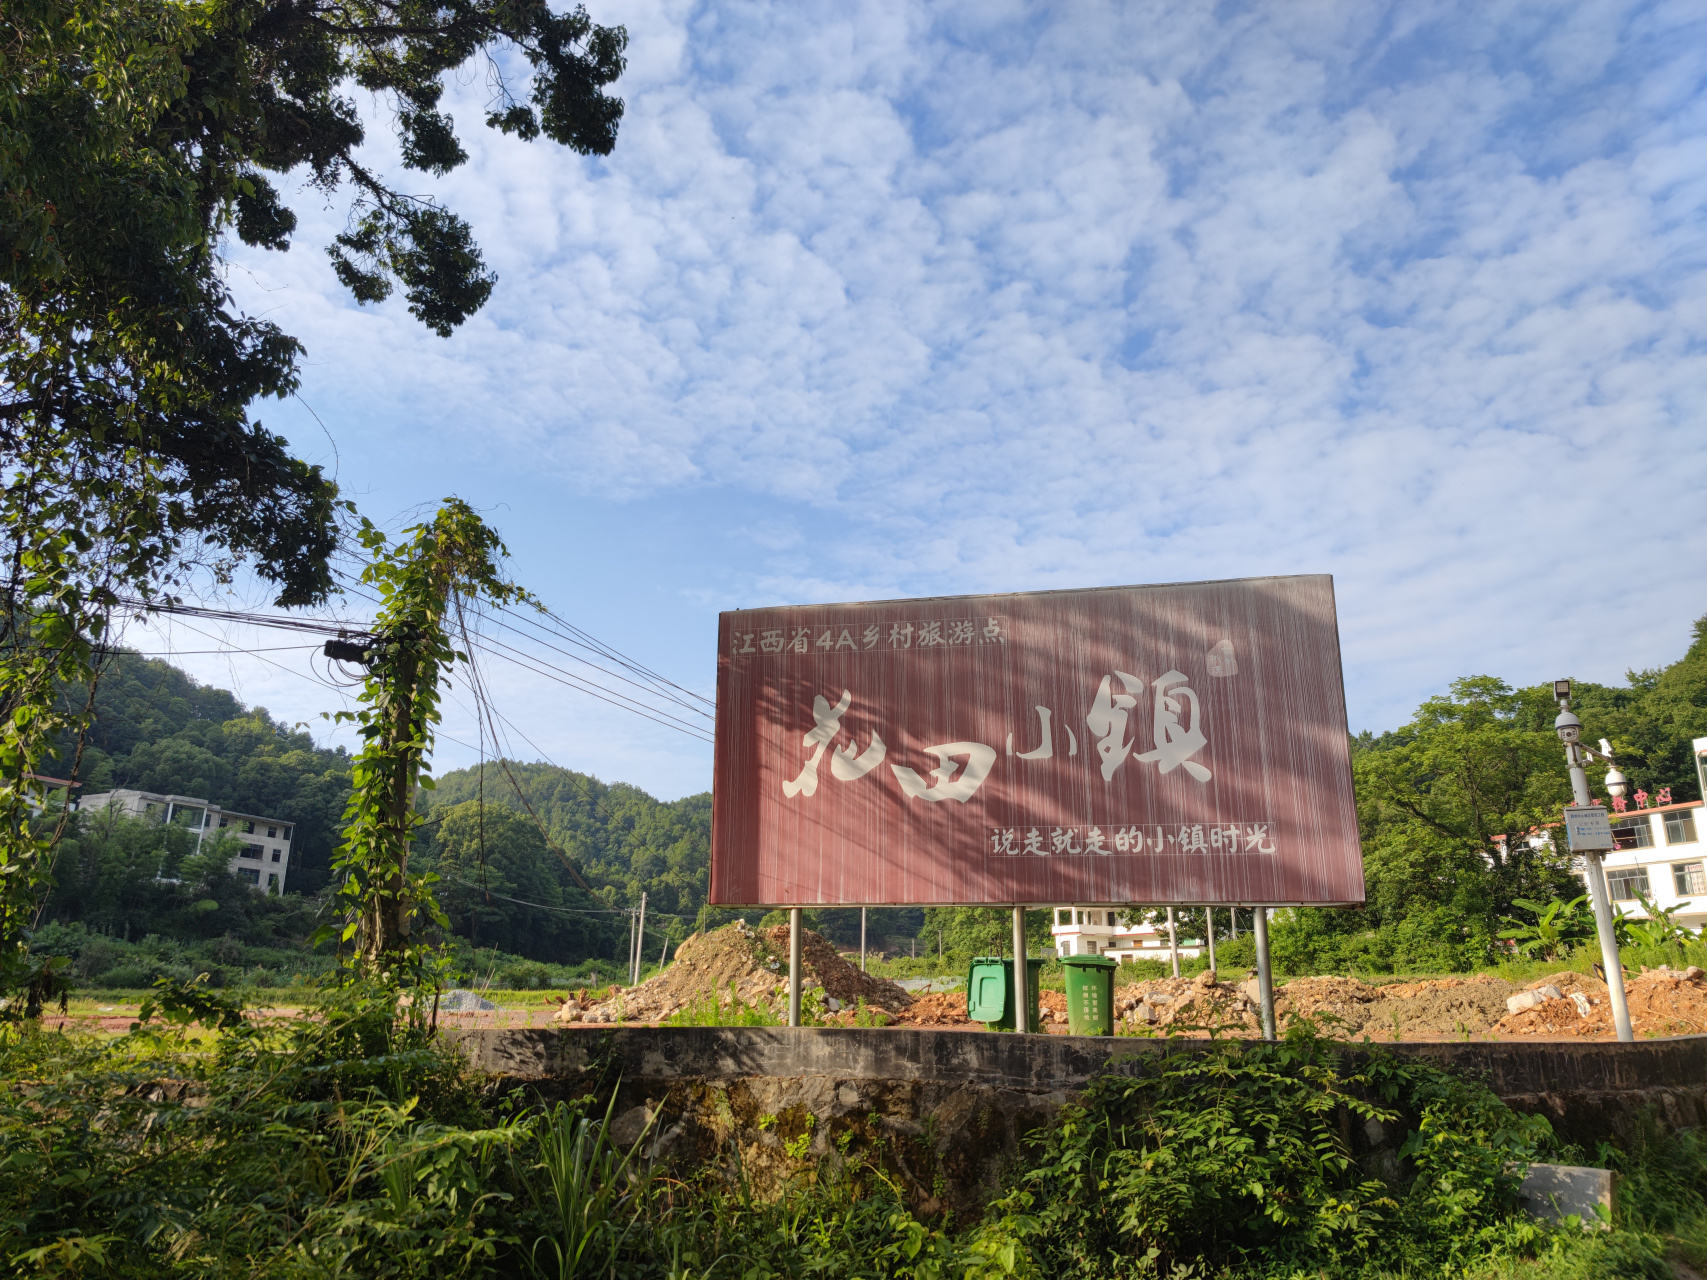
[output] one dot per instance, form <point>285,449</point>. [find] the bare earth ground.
<point>737,966</point>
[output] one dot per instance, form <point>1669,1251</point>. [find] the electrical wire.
<point>568,911</point>
<point>621,701</point>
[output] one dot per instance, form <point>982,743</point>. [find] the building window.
<point>251,874</point>
<point>272,883</point>
<point>252,851</point>
<point>248,828</point>
<point>1680,827</point>
<point>1111,919</point>
<point>1063,916</point>
<point>1690,877</point>
<point>1637,833</point>
<point>275,855</point>
<point>287,833</point>
<point>1627,884</point>
<point>272,833</point>
<point>225,822</point>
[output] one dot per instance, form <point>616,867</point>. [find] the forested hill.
<point>157,729</point>
<point>622,840</point>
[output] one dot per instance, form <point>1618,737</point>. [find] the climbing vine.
<point>422,580</point>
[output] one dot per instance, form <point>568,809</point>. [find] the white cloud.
<point>954,299</point>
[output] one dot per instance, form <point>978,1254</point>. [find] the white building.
<point>1106,931</point>
<point>1660,856</point>
<point>264,858</point>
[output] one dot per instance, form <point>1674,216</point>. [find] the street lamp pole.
<point>1569,729</point>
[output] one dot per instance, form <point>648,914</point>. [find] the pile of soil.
<point>1349,1009</point>
<point>738,963</point>
<point>1663,1002</point>
<point>936,1009</point>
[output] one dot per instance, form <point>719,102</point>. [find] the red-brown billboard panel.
<point>1182,743</point>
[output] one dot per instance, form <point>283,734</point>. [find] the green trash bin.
<point>1090,994</point>
<point>990,987</point>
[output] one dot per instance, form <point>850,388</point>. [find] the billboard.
<point>1159,744</point>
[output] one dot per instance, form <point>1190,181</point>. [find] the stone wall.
<point>945,1113</point>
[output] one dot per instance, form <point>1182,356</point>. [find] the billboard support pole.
<point>1022,1000</point>
<point>1209,917</point>
<point>862,939</point>
<point>794,914</point>
<point>1173,940</point>
<point>1265,973</point>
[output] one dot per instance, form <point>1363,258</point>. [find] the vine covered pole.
<point>422,580</point>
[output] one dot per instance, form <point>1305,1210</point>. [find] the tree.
<point>135,136</point>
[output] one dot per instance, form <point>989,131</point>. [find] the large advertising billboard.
<point>1163,744</point>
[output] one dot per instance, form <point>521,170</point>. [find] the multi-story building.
<point>264,858</point>
<point>1104,931</point>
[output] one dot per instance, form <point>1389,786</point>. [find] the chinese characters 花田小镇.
<point>962,766</point>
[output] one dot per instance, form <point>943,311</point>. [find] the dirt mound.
<point>737,963</point>
<point>1663,1002</point>
<point>936,1009</point>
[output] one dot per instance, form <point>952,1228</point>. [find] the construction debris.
<point>737,965</point>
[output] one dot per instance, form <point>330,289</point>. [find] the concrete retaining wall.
<point>946,1112</point>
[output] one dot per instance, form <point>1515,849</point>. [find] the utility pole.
<point>631,946</point>
<point>1591,835</point>
<point>640,941</point>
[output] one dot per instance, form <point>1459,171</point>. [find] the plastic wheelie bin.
<point>990,991</point>
<point>1090,994</point>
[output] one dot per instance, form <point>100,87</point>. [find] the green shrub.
<point>1234,1157</point>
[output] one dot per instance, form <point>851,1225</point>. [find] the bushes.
<point>350,1143</point>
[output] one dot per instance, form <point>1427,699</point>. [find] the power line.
<point>680,702</point>
<point>618,700</point>
<point>658,683</point>
<point>568,911</point>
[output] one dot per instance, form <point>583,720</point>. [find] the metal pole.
<point>1173,941</point>
<point>1022,1000</point>
<point>1233,916</point>
<point>1594,873</point>
<point>640,942</point>
<point>794,914</point>
<point>1265,974</point>
<point>631,946</point>
<point>862,939</point>
<point>1209,915</point>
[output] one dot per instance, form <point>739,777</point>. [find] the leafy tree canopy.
<point>135,136</point>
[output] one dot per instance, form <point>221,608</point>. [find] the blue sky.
<point>905,299</point>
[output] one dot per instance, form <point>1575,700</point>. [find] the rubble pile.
<point>736,963</point>
<point>1663,1002</point>
<point>1189,1006</point>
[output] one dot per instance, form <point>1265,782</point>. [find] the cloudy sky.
<point>910,299</point>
